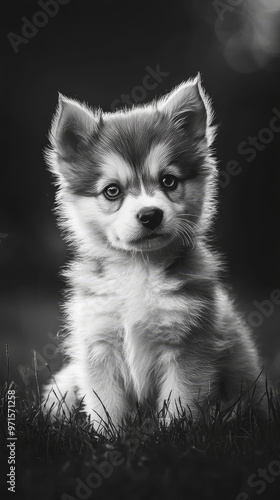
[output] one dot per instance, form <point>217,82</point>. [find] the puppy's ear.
<point>189,107</point>
<point>74,130</point>
<point>72,127</point>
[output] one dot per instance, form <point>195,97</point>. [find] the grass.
<point>210,458</point>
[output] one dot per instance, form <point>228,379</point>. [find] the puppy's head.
<point>136,179</point>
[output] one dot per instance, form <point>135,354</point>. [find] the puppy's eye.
<point>112,192</point>
<point>169,182</point>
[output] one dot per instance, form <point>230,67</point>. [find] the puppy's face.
<point>138,179</point>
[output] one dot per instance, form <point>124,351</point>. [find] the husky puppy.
<point>147,318</point>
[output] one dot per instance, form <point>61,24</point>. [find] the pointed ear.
<point>188,106</point>
<point>72,126</point>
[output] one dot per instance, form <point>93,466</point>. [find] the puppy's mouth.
<point>145,238</point>
<point>150,242</point>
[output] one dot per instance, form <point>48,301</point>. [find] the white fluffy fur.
<point>132,335</point>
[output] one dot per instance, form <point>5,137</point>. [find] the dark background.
<point>96,51</point>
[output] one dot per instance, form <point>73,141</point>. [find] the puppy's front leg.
<point>104,379</point>
<point>185,384</point>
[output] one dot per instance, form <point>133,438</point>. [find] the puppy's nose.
<point>150,217</point>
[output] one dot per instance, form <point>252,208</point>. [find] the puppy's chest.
<point>143,293</point>
<point>144,299</point>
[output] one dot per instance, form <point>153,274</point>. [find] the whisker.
<point>187,215</point>
<point>185,232</point>
<point>189,223</point>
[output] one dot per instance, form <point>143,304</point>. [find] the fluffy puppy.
<point>147,317</point>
